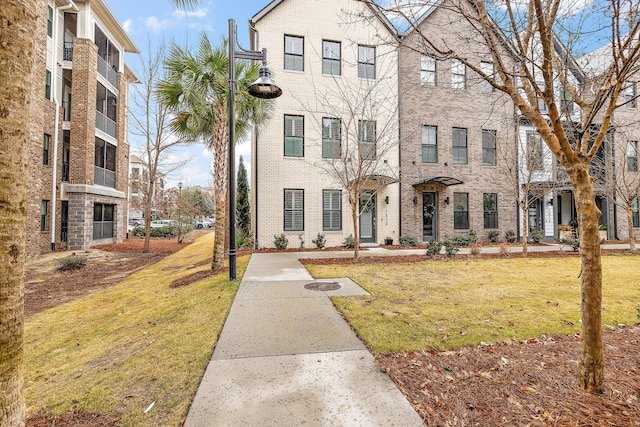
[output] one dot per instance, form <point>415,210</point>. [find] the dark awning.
<point>378,179</point>
<point>444,180</point>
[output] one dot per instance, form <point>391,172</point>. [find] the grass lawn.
<point>120,349</point>
<point>446,305</point>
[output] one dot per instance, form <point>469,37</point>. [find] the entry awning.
<point>379,179</point>
<point>444,180</point>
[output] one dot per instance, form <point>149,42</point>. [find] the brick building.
<point>79,154</point>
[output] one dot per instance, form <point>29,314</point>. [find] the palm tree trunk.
<point>632,239</point>
<point>220,142</point>
<point>591,359</point>
<point>16,73</point>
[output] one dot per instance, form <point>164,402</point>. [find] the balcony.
<point>106,125</point>
<point>104,177</point>
<point>108,72</point>
<point>67,51</point>
<point>66,107</point>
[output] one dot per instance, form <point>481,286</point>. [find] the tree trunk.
<point>591,359</point>
<point>632,239</point>
<point>147,217</point>
<point>220,142</point>
<point>525,229</point>
<point>356,232</point>
<point>16,74</point>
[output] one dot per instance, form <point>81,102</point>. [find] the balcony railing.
<point>105,124</point>
<point>67,51</point>
<point>108,72</point>
<point>104,177</point>
<point>66,106</point>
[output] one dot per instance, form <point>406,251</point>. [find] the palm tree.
<point>197,91</point>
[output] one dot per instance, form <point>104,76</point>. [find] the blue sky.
<point>158,20</point>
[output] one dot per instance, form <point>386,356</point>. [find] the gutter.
<point>56,131</point>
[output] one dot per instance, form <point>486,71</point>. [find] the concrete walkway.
<point>286,357</point>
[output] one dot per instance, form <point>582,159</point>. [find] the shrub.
<point>504,249</point>
<point>243,240</point>
<point>473,235</point>
<point>475,248</point>
<point>571,241</point>
<point>602,227</point>
<point>319,241</point>
<point>408,241</point>
<point>510,236</point>
<point>564,227</point>
<point>280,241</point>
<point>493,235</point>
<point>450,248</point>
<point>301,238</point>
<point>433,248</point>
<point>72,262</point>
<point>462,239</point>
<point>349,241</point>
<point>537,235</point>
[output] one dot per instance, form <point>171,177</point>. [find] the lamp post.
<point>179,213</point>
<point>262,88</point>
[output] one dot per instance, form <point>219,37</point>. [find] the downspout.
<point>399,76</point>
<point>253,43</point>
<point>56,132</point>
<point>517,146</point>
<point>613,174</point>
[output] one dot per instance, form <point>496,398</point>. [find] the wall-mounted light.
<point>446,200</point>
<point>386,200</point>
<point>415,200</point>
<point>550,202</point>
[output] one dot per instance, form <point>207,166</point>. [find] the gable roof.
<point>275,3</point>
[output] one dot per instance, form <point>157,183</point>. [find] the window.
<point>534,152</point>
<point>367,139</point>
<point>367,62</point>
<point>47,85</point>
<point>490,207</point>
<point>542,106</point>
<point>489,147</point>
<point>427,71</point>
<point>487,68</point>
<point>331,210</point>
<point>103,221</point>
<point>460,211</point>
<point>293,136</point>
<point>105,163</point>
<point>632,156</point>
<point>293,210</point>
<point>49,21</point>
<point>566,102</point>
<point>294,53</point>
<point>44,215</point>
<point>429,144</point>
<point>459,146</point>
<point>635,213</point>
<point>331,58</point>
<point>458,75</point>
<point>45,148</point>
<point>630,95</point>
<point>331,135</point>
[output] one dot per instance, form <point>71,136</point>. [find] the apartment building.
<point>457,136</point>
<point>335,125</point>
<point>138,179</point>
<point>79,154</point>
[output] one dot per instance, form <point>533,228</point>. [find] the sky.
<point>159,21</point>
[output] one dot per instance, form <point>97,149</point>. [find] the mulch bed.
<point>74,419</point>
<point>191,278</point>
<point>529,383</point>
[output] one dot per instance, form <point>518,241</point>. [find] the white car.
<point>162,223</point>
<point>204,223</point>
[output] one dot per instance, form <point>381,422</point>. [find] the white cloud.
<point>156,25</point>
<point>127,25</point>
<point>197,13</point>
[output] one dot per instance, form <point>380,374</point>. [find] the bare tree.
<point>359,143</point>
<point>527,172</point>
<point>150,122</point>
<point>533,32</point>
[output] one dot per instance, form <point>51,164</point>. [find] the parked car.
<point>162,223</point>
<point>136,222</point>
<point>204,223</point>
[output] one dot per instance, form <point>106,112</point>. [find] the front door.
<point>429,216</point>
<point>367,208</point>
<point>535,215</point>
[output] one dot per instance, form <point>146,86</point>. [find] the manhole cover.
<point>323,286</point>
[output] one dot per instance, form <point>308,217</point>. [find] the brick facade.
<point>79,193</point>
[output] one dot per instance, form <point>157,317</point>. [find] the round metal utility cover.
<point>323,286</point>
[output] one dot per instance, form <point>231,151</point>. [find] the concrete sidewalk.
<point>286,357</point>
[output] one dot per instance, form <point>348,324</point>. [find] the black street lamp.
<point>262,88</point>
